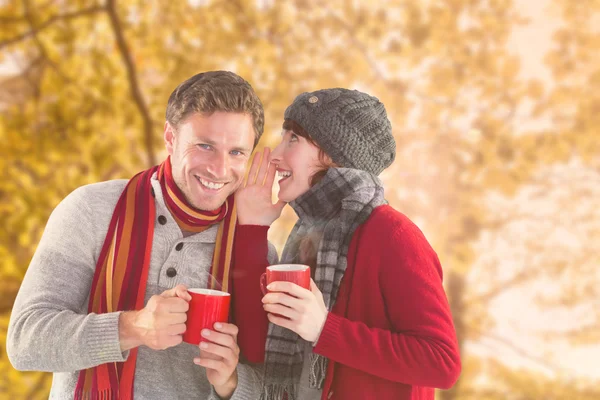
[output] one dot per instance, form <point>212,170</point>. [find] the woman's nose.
<point>275,156</point>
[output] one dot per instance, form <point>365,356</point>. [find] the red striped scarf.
<point>122,270</point>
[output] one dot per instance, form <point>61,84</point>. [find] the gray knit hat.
<point>352,127</point>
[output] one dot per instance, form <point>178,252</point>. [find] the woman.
<point>376,322</point>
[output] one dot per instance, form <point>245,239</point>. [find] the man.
<point>103,302</point>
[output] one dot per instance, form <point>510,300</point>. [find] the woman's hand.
<point>254,199</point>
<point>300,310</point>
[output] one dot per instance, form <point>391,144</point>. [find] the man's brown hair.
<point>213,91</point>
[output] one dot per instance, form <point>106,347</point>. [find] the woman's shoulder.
<point>392,234</point>
<point>386,223</point>
<point>388,218</point>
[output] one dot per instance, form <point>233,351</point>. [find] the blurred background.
<point>495,106</point>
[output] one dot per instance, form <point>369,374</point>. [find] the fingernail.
<point>218,325</point>
<point>205,332</point>
<point>203,345</point>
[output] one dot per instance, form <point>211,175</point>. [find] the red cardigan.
<point>390,333</point>
<point>250,249</point>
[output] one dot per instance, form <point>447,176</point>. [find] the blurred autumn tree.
<point>89,105</point>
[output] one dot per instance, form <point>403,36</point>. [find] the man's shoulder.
<point>106,189</point>
<point>84,215</point>
<point>96,196</point>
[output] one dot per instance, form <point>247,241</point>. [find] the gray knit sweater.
<point>51,330</point>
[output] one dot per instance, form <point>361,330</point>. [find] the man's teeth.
<point>284,174</point>
<point>211,185</point>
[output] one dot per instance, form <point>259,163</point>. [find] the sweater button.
<point>162,219</point>
<point>171,272</point>
<point>179,246</point>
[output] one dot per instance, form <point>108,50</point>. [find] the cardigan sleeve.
<point>47,330</point>
<point>252,254</point>
<point>421,348</point>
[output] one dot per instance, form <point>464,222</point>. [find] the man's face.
<point>209,155</point>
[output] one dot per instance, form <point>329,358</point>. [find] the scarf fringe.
<point>276,392</point>
<point>106,394</point>
<point>318,368</point>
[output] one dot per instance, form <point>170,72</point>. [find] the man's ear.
<point>169,136</point>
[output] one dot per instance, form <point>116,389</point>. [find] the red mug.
<point>206,308</point>
<point>295,273</point>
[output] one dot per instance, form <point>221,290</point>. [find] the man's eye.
<point>236,153</point>
<point>204,146</point>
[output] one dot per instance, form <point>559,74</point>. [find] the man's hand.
<point>220,356</point>
<point>159,325</point>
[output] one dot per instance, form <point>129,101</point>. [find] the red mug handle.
<point>263,283</point>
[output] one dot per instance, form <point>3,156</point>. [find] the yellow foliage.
<point>443,69</point>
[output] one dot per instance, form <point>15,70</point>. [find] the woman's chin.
<point>288,197</point>
<point>285,199</point>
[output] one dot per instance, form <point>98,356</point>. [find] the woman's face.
<point>297,160</point>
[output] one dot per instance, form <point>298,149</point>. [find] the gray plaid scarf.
<point>335,206</point>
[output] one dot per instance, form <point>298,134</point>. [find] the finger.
<point>222,339</point>
<point>174,291</point>
<point>211,356</point>
<point>182,292</point>
<point>175,318</point>
<point>282,299</point>
<point>251,178</point>
<point>227,355</point>
<point>290,288</point>
<point>177,329</point>
<point>217,365</point>
<point>271,172</point>
<point>284,311</point>
<point>264,166</point>
<point>175,305</point>
<point>228,329</point>
<point>285,323</point>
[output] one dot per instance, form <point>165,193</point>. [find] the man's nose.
<point>218,166</point>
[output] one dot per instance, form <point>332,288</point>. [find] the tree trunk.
<point>455,292</point>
